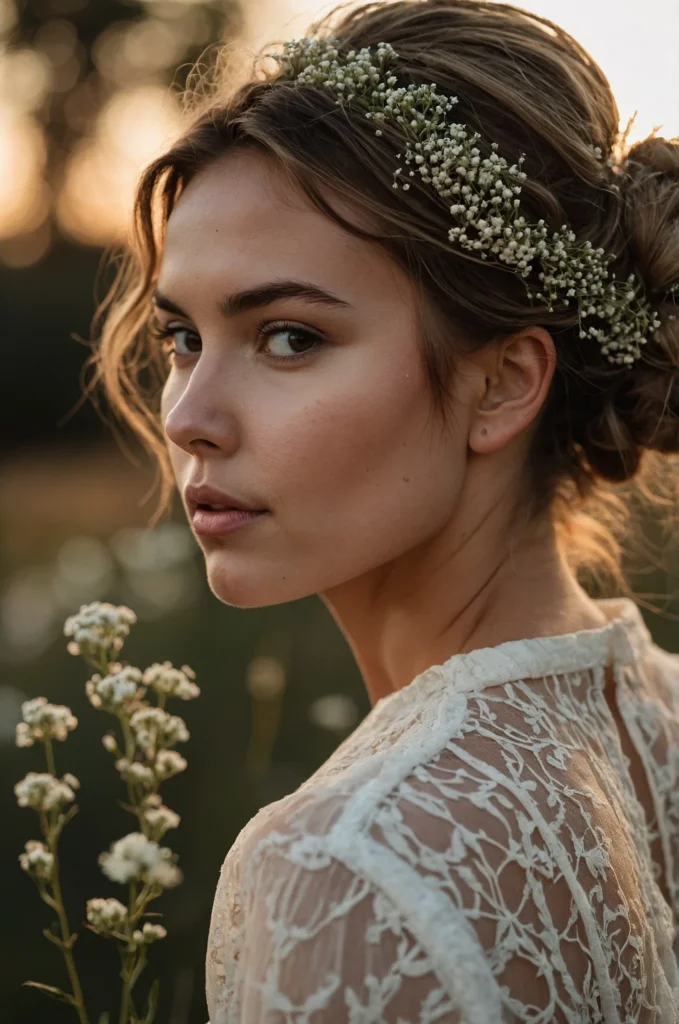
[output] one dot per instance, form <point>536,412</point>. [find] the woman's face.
<point>341,446</point>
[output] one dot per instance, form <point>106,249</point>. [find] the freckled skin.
<point>397,520</point>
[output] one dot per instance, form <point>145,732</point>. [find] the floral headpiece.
<point>484,190</point>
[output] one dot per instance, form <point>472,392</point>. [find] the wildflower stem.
<point>49,754</point>
<point>125,1000</point>
<point>127,959</point>
<point>56,899</point>
<point>67,938</point>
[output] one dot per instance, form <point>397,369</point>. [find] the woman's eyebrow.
<point>263,295</point>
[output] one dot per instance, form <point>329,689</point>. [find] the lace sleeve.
<point>321,943</point>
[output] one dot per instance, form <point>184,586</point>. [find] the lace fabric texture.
<point>473,853</point>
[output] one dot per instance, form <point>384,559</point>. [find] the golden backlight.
<point>635,44</point>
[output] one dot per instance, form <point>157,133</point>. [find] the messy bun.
<point>602,424</point>
<point>640,409</point>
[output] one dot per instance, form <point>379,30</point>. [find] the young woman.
<point>411,301</point>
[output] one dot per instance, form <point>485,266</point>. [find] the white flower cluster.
<point>37,861</point>
<point>139,858</point>
<point>158,817</point>
<point>43,721</point>
<point>109,918</point>
<point>168,763</point>
<point>115,690</point>
<point>155,728</point>
<point>172,682</point>
<point>135,771</point>
<point>106,915</point>
<point>42,791</point>
<point>486,206</point>
<point>98,629</point>
<point>149,933</point>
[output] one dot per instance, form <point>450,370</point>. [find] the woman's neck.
<point>461,591</point>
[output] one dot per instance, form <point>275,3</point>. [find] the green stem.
<point>67,942</point>
<point>125,1000</point>
<point>49,754</point>
<point>127,958</point>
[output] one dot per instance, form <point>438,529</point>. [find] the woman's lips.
<point>207,523</point>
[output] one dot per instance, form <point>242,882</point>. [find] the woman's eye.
<point>168,334</point>
<point>287,343</point>
<point>280,342</point>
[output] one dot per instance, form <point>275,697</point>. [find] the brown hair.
<point>602,426</point>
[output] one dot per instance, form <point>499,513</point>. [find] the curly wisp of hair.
<point>606,434</point>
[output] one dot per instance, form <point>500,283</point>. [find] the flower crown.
<point>485,191</point>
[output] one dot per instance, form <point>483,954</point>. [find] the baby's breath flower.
<point>173,682</point>
<point>42,791</point>
<point>99,629</point>
<point>137,857</point>
<point>24,735</point>
<point>484,190</point>
<point>110,743</point>
<point>37,861</point>
<point>149,933</point>
<point>43,721</point>
<point>155,728</point>
<point>168,763</point>
<point>106,915</point>
<point>114,691</point>
<point>135,771</point>
<point>139,772</point>
<point>160,819</point>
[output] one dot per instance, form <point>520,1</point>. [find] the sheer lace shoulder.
<point>474,853</point>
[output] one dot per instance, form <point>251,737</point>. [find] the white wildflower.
<point>24,735</point>
<point>164,873</point>
<point>135,771</point>
<point>149,933</point>
<point>155,728</point>
<point>168,763</point>
<point>110,743</point>
<point>172,682</point>
<point>139,772</point>
<point>42,721</point>
<point>107,915</point>
<point>137,857</point>
<point>98,629</point>
<point>37,861</point>
<point>42,791</point>
<point>160,819</point>
<point>116,690</point>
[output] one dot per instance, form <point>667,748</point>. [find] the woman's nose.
<point>197,413</point>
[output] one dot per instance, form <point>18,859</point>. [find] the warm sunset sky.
<point>636,43</point>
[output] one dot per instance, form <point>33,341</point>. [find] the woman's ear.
<point>518,373</point>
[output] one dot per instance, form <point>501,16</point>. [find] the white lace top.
<point>473,853</point>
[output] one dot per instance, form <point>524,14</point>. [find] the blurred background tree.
<point>89,93</point>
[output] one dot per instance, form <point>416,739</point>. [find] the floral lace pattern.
<point>473,853</point>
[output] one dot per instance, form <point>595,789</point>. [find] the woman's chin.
<point>251,590</point>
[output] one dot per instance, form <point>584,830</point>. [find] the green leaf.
<point>50,990</point>
<point>153,1002</point>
